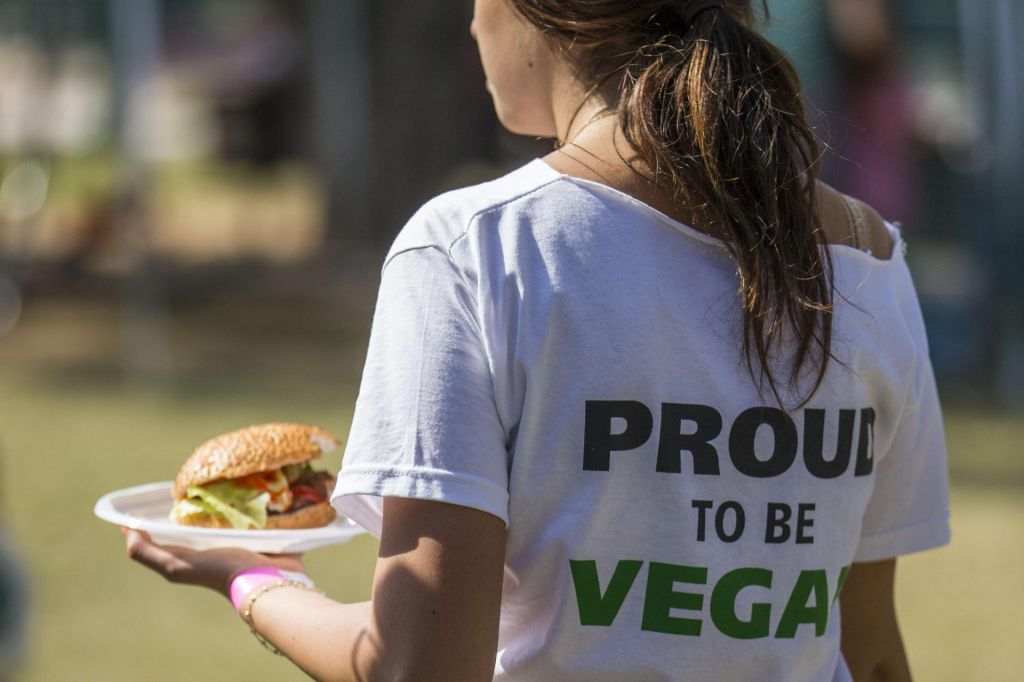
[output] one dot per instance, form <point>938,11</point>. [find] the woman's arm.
<point>871,642</point>
<point>434,608</point>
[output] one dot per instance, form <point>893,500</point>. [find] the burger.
<point>259,477</point>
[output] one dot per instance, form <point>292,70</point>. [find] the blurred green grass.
<point>72,428</point>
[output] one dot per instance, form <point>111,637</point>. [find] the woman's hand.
<point>437,590</point>
<point>871,642</point>
<point>211,568</point>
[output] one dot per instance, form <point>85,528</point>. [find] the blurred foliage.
<point>74,179</point>
<point>198,212</point>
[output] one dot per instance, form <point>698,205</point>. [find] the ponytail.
<point>715,112</point>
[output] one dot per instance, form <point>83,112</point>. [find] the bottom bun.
<point>313,516</point>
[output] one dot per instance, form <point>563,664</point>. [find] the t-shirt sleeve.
<point>909,507</point>
<point>425,424</point>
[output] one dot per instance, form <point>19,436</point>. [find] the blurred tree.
<point>431,111</point>
<point>342,116</point>
<point>993,54</point>
<point>135,30</point>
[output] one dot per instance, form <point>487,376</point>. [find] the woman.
<point>585,455</point>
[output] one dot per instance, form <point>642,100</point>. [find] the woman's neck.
<point>596,150</point>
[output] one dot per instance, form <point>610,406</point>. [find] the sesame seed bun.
<point>246,451</point>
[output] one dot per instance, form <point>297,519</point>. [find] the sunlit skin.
<point>523,75</point>
<point>437,581</point>
<point>536,93</point>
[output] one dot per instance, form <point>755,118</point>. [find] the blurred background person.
<point>13,612</point>
<point>873,122</point>
<point>14,602</point>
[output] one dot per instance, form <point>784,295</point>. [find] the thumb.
<point>165,561</point>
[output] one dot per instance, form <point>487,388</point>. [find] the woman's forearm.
<point>327,639</point>
<point>433,617</point>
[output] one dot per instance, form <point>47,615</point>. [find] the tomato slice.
<point>272,482</point>
<point>267,481</point>
<point>308,493</point>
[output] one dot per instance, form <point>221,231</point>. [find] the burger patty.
<point>309,489</point>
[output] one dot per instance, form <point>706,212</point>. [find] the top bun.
<point>255,448</point>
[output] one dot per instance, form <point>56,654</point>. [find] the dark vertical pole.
<point>993,52</point>
<point>342,118</point>
<point>1008,136</point>
<point>135,30</point>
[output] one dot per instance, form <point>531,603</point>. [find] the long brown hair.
<point>715,111</point>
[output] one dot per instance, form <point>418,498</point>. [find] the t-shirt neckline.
<point>542,167</point>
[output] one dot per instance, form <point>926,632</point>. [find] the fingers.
<point>168,562</point>
<point>211,568</point>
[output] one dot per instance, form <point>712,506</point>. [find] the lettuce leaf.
<point>242,507</point>
<point>293,471</point>
<point>188,507</point>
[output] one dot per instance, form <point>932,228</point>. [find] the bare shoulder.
<point>844,219</point>
<point>837,211</point>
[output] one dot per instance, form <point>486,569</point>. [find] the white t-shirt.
<point>567,358</point>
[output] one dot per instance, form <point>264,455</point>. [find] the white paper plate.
<point>145,507</point>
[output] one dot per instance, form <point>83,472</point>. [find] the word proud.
<point>703,424</point>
